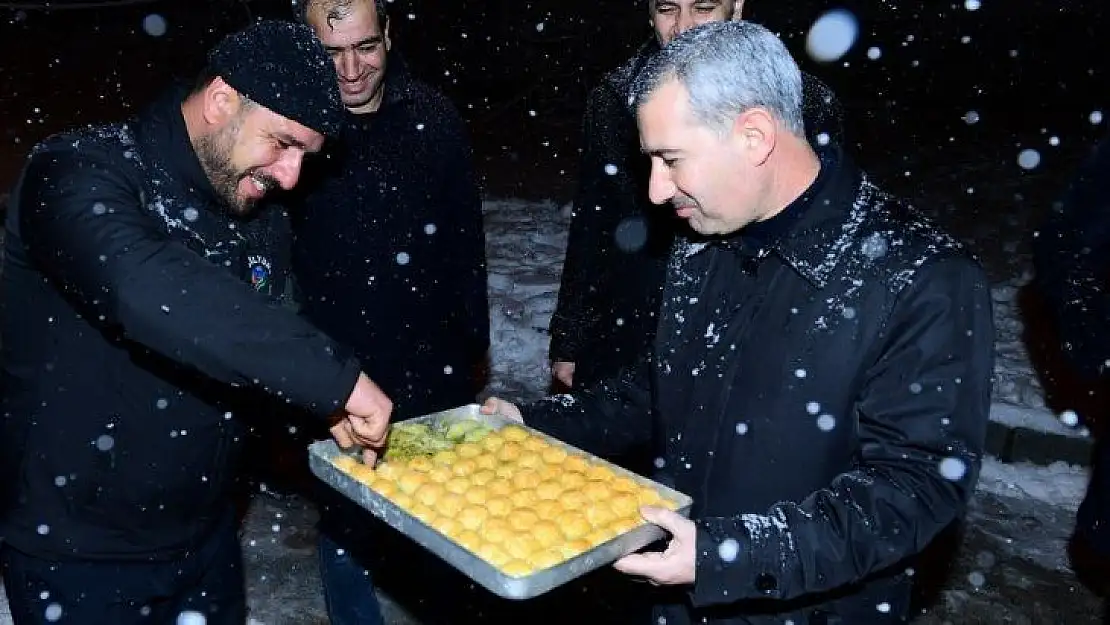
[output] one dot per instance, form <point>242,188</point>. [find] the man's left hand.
<point>675,565</point>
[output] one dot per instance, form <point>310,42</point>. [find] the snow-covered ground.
<point>526,241</point>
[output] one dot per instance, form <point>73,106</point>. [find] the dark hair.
<point>338,9</point>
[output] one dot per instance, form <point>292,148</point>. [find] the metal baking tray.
<point>322,452</point>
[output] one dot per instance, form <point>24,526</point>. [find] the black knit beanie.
<point>283,67</point>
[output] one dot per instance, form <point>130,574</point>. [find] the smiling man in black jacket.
<point>821,374</point>
<point>139,322</point>
<point>389,256</point>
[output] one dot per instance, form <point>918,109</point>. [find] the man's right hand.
<point>367,421</point>
<point>497,406</point>
<point>563,372</point>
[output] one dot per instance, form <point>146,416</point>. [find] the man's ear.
<point>221,102</point>
<point>754,133</point>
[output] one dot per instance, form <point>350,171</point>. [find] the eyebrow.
<point>660,151</point>
<point>290,139</point>
<point>376,39</point>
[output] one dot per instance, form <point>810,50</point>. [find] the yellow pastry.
<point>550,472</point>
<point>600,473</point>
<point>648,497</point>
<point>517,568</point>
<point>492,442</point>
<point>477,495</point>
<point>599,514</point>
<point>625,485</point>
<point>389,470</point>
<point>545,558</point>
<point>423,512</point>
<point>493,554</point>
<point>572,480</point>
<point>363,473</point>
<point>554,455</point>
<point>576,462</point>
<point>450,504</point>
<point>445,457</point>
<point>574,525</point>
<point>549,490</point>
<point>506,470</point>
<point>499,506</point>
<point>522,519</point>
<point>529,460</point>
<point>596,491</point>
<point>403,500</point>
<point>410,481</point>
<point>482,477</point>
<point>498,527</point>
<point>469,539</point>
<point>468,450</point>
<point>385,488</point>
<point>421,463</point>
<point>599,536</point>
<point>487,461</point>
<point>471,517</point>
<point>626,524</point>
<point>514,433</point>
<point>548,508</point>
<point>429,493</point>
<point>464,466</point>
<point>457,485</point>
<point>440,474</point>
<point>547,533</point>
<point>520,545</point>
<point>345,463</point>
<point>446,525</point>
<point>523,498</point>
<point>500,487</point>
<point>573,499</point>
<point>572,548</point>
<point>534,443</point>
<point>509,452</point>
<point>526,478</point>
<point>625,505</point>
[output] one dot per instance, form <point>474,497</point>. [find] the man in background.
<point>389,257</point>
<point>617,249</point>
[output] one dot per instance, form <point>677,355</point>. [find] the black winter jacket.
<point>134,333</point>
<point>389,248</point>
<point>619,241</point>
<point>820,387</point>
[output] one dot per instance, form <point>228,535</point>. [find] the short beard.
<point>214,153</point>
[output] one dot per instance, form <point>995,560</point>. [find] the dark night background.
<point>1031,70</point>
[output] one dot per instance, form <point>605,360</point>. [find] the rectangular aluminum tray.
<point>322,452</point>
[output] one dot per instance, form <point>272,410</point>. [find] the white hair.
<point>728,68</point>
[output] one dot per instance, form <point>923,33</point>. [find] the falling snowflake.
<point>874,247</point>
<point>1069,418</point>
<point>660,463</point>
<point>53,612</point>
<point>448,370</point>
<point>1029,158</point>
<point>799,373</point>
<point>154,25</point>
<point>402,258</point>
<point>43,529</point>
<point>976,579</point>
<point>823,138</point>
<point>191,617</point>
<point>883,607</point>
<point>728,550</point>
<point>611,169</point>
<point>832,35</point>
<point>1096,117</point>
<point>430,229</point>
<point>952,469</point>
<point>826,422</point>
<point>162,403</point>
<point>874,53</point>
<point>190,214</point>
<point>972,5</point>
<point>105,442</point>
<point>813,407</point>
<point>99,208</point>
<point>741,428</point>
<point>971,118</point>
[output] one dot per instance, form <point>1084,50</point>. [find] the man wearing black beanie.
<point>140,323</point>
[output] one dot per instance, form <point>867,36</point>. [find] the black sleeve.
<point>86,229</point>
<point>917,466</point>
<point>606,191</point>
<point>1072,261</point>
<point>608,419</point>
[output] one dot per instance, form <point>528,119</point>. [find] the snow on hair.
<point>728,68</point>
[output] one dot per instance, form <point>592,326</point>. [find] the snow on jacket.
<point>139,319</point>
<point>820,387</point>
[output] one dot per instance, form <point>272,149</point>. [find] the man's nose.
<point>349,67</point>
<point>660,186</point>
<point>288,170</point>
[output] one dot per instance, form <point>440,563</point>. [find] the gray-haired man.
<point>822,367</point>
